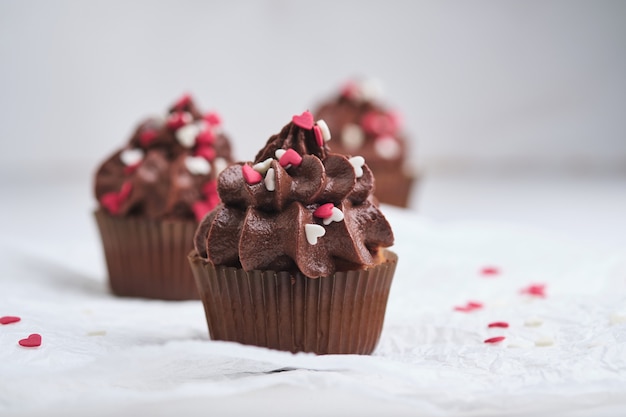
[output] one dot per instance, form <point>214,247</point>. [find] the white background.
<point>507,86</point>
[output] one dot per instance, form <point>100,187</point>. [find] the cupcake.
<point>361,125</point>
<point>294,256</point>
<point>152,194</point>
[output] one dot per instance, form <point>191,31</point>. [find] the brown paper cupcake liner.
<point>148,258</point>
<point>342,313</point>
<point>394,189</point>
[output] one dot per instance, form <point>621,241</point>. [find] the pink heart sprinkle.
<point>290,157</point>
<point>324,211</point>
<point>206,137</point>
<point>201,208</point>
<point>469,307</point>
<point>536,290</point>
<point>177,120</point>
<point>182,102</point>
<point>305,120</point>
<point>496,339</point>
<point>129,169</point>
<point>213,119</point>
<point>350,90</point>
<point>113,201</point>
<point>209,188</point>
<point>147,136</point>
<point>474,304</point>
<point>490,271</point>
<point>206,152</point>
<point>250,175</point>
<point>127,187</point>
<point>501,324</point>
<point>33,340</point>
<point>9,319</point>
<point>319,138</point>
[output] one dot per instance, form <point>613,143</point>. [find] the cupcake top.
<point>364,126</point>
<point>297,207</point>
<point>168,168</point>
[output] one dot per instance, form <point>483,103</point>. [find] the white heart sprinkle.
<point>336,216</point>
<point>262,167</point>
<point>544,341</point>
<point>313,232</point>
<point>187,134</point>
<point>279,153</point>
<point>387,147</point>
<point>131,156</point>
<point>371,89</point>
<point>197,165</point>
<point>533,322</point>
<point>357,163</point>
<point>220,165</point>
<point>324,129</point>
<point>270,180</point>
<point>352,137</point>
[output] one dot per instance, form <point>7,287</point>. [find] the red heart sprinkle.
<point>129,169</point>
<point>33,340</point>
<point>113,201</point>
<point>305,120</point>
<point>290,157</point>
<point>490,271</point>
<point>319,138</point>
<point>536,290</point>
<point>206,152</point>
<point>250,175</point>
<point>206,137</point>
<point>209,188</point>
<point>9,319</point>
<point>469,307</point>
<point>127,187</point>
<point>213,119</point>
<point>502,324</point>
<point>496,339</point>
<point>201,208</point>
<point>183,101</point>
<point>147,136</point>
<point>177,120</point>
<point>350,90</point>
<point>474,304</point>
<point>324,211</point>
<point>380,124</point>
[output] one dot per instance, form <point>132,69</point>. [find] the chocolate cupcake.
<point>362,125</point>
<point>294,257</point>
<point>152,194</point>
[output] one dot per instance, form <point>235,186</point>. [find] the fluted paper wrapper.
<point>148,258</point>
<point>342,313</point>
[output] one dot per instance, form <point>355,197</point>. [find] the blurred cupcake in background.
<point>152,194</point>
<point>362,125</point>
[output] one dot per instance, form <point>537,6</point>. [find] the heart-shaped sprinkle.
<point>187,135</point>
<point>544,341</point>
<point>128,170</point>
<point>9,319</point>
<point>147,136</point>
<point>371,89</point>
<point>34,340</point>
<point>357,163</point>
<point>205,138</point>
<point>182,102</point>
<point>379,124</point>
<point>318,136</point>
<point>336,216</point>
<point>324,129</point>
<point>131,156</point>
<point>290,158</point>
<point>535,290</point>
<point>352,137</point>
<point>178,119</point>
<point>313,232</point>
<point>207,152</point>
<point>250,175</point>
<point>490,271</point>
<point>496,339</point>
<point>270,180</point>
<point>305,120</point>
<point>501,324</point>
<point>213,119</point>
<point>351,90</point>
<point>469,307</point>
<point>112,201</point>
<point>262,167</point>
<point>201,208</point>
<point>279,153</point>
<point>387,147</point>
<point>324,211</point>
<point>220,165</point>
<point>197,165</point>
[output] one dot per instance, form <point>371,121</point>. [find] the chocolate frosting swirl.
<point>169,167</point>
<point>296,207</point>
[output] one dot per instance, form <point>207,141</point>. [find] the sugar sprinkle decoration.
<point>496,339</point>
<point>33,340</point>
<point>263,166</point>
<point>290,158</point>
<point>206,152</point>
<point>533,322</point>
<point>178,119</point>
<point>500,324</point>
<point>318,136</point>
<point>357,163</point>
<point>131,156</point>
<point>9,319</point>
<point>197,165</point>
<point>305,120</point>
<point>250,175</point>
<point>147,137</point>
<point>279,153</point>
<point>213,119</point>
<point>535,290</point>
<point>387,147</point>
<point>324,211</point>
<point>469,307</point>
<point>324,130</point>
<point>186,135</point>
<point>544,341</point>
<point>313,232</point>
<point>352,137</point>
<point>490,271</point>
<point>270,180</point>
<point>336,216</point>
